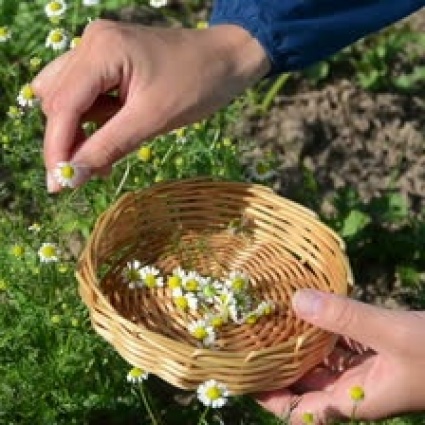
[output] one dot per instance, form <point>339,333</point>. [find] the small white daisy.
<point>261,170</point>
<point>137,375</point>
<point>35,228</point>
<point>14,112</point>
<point>265,308</point>
<point>216,320</point>
<point>48,253</point>
<point>237,282</point>
<point>57,39</point>
<point>55,8</point>
<point>151,277</point>
<point>176,279</point>
<point>5,34</point>
<point>213,394</point>
<point>209,290</point>
<point>90,2</point>
<point>184,300</point>
<point>68,174</point>
<point>192,281</point>
<point>158,3</point>
<point>132,275</point>
<point>202,331</point>
<point>26,97</point>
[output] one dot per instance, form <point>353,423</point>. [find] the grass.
<point>54,368</point>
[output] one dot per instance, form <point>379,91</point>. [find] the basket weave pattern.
<point>281,245</point>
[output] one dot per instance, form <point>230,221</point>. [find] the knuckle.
<point>54,104</point>
<point>343,315</point>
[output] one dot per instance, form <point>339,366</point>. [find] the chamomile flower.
<point>265,308</point>
<point>57,39</point>
<point>26,96</point>
<point>210,290</point>
<point>55,8</point>
<point>68,174</point>
<point>183,300</point>
<point>151,277</point>
<point>144,153</point>
<point>132,274</point>
<point>14,112</point>
<point>213,394</point>
<point>17,250</point>
<point>237,282</point>
<point>216,320</point>
<point>158,3</point>
<point>357,393</point>
<point>137,375</point>
<point>192,281</point>
<point>202,331</point>
<point>251,318</point>
<point>75,41</point>
<point>90,2</point>
<point>35,227</point>
<point>261,170</point>
<point>5,34</point>
<point>48,253</point>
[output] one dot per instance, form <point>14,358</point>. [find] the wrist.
<point>245,58</point>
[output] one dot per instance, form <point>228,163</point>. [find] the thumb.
<point>372,326</point>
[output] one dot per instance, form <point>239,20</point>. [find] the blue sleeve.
<point>298,33</point>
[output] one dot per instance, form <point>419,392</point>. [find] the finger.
<point>278,402</point>
<point>47,76</point>
<point>369,325</point>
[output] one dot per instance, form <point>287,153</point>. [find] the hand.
<point>164,79</point>
<point>392,373</point>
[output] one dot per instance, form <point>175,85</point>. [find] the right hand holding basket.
<point>390,375</point>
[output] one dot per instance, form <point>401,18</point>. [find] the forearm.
<point>295,33</point>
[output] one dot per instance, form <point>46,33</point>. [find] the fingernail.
<point>50,183</point>
<point>307,302</point>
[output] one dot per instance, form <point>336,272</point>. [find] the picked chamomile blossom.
<point>213,394</point>
<point>184,301</point>
<point>57,39</point>
<point>137,375</point>
<point>48,253</point>
<point>132,276</point>
<point>68,174</point>
<point>26,97</point>
<point>75,41</point>
<point>202,331</point>
<point>151,277</point>
<point>55,8</point>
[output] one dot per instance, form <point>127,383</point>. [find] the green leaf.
<point>9,9</point>
<point>355,222</point>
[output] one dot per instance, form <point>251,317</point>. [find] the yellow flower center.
<point>192,285</point>
<point>56,37</point>
<point>133,275</point>
<point>67,172</point>
<point>18,250</point>
<point>213,393</point>
<point>4,32</point>
<point>217,322</point>
<point>200,333</point>
<point>252,319</point>
<point>76,41</point>
<point>174,282</point>
<point>145,153</point>
<point>27,92</point>
<point>181,302</point>
<point>307,418</point>
<point>48,251</point>
<point>55,6</point>
<point>357,393</point>
<point>136,372</point>
<point>238,284</point>
<point>150,280</point>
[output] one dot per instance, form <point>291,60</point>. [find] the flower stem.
<point>204,415</point>
<point>147,405</point>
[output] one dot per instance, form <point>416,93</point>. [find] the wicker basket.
<point>215,227</point>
